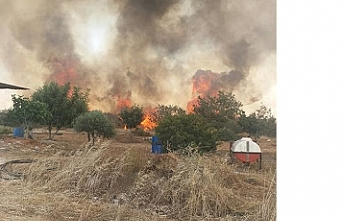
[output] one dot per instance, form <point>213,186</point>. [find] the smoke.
<point>146,51</point>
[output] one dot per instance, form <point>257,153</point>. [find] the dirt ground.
<point>23,199</point>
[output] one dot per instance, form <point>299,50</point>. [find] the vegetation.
<point>132,116</point>
<point>165,187</point>
<point>165,111</point>
<point>259,123</point>
<point>63,103</point>
<point>95,123</point>
<point>5,129</point>
<point>25,112</point>
<point>182,131</point>
<point>222,113</point>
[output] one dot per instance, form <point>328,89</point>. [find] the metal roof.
<point>8,86</point>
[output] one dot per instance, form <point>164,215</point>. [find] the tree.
<point>26,112</point>
<point>132,116</point>
<point>261,122</point>
<point>95,123</point>
<point>221,112</point>
<point>164,111</point>
<point>62,106</point>
<point>181,131</point>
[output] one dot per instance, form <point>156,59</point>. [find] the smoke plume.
<point>144,52</point>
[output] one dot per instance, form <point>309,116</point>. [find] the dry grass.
<point>82,185</point>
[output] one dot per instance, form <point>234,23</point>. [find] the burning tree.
<point>132,116</point>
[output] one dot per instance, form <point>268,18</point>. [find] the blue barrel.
<point>156,145</point>
<point>18,132</point>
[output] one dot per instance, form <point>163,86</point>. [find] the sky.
<point>149,52</point>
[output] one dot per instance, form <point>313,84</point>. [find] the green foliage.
<point>95,123</point>
<point>180,131</point>
<point>26,112</point>
<point>221,112</point>
<point>259,123</point>
<point>164,111</point>
<point>63,108</point>
<point>132,116</point>
<point>78,103</point>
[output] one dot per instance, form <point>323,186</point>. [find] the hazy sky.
<point>147,51</point>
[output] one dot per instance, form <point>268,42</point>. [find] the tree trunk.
<point>93,136</point>
<point>49,128</point>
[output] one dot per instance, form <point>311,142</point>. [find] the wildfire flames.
<point>208,83</point>
<point>123,102</point>
<point>147,123</point>
<point>204,83</point>
<point>64,71</point>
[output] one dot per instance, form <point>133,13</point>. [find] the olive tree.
<point>25,112</point>
<point>95,123</point>
<point>63,106</point>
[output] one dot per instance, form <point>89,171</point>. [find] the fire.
<point>123,102</point>
<point>205,83</point>
<point>64,71</point>
<point>148,123</point>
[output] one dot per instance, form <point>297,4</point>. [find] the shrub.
<point>5,130</point>
<point>181,131</point>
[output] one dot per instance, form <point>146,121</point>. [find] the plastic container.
<point>246,150</point>
<point>156,145</point>
<point>18,132</point>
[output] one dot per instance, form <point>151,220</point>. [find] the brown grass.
<point>82,184</point>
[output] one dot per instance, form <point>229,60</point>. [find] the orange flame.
<point>204,83</point>
<point>148,123</point>
<point>64,71</point>
<point>123,102</point>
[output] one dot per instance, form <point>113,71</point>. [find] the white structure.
<point>246,145</point>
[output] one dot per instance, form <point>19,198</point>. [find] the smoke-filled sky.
<point>147,51</point>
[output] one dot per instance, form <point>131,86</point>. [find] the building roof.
<point>8,86</point>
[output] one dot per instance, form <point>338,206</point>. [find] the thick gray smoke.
<point>146,51</point>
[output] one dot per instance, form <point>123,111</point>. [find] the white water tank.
<point>246,150</point>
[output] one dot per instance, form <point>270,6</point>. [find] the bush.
<point>181,131</point>
<point>95,123</point>
<point>5,130</point>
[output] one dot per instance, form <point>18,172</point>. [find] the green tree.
<point>26,112</point>
<point>261,122</point>
<point>95,123</point>
<point>132,116</point>
<point>164,111</point>
<point>221,112</point>
<point>62,106</point>
<point>181,131</point>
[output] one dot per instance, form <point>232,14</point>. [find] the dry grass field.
<point>120,179</point>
